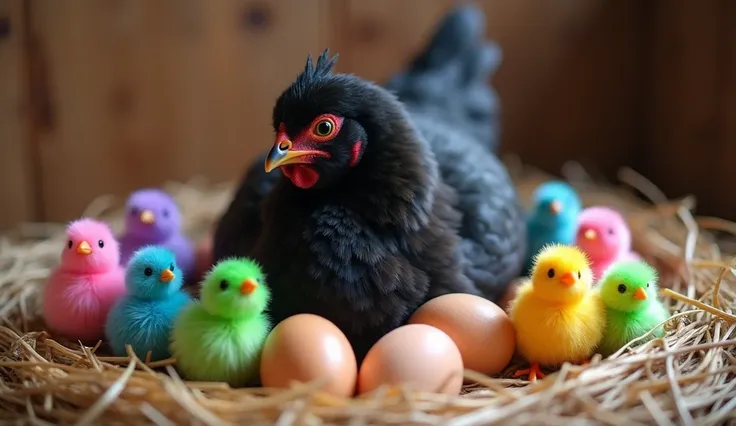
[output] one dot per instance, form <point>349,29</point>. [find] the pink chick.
<point>604,235</point>
<point>82,289</point>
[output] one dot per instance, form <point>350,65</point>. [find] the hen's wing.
<point>446,91</point>
<point>493,229</point>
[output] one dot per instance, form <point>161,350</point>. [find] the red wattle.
<point>301,176</point>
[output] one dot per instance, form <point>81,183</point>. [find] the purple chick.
<point>153,218</point>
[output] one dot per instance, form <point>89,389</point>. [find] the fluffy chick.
<point>605,237</point>
<point>221,337</point>
<point>88,281</point>
<point>629,291</point>
<point>153,218</point>
<point>143,318</point>
<point>553,218</point>
<point>556,315</point>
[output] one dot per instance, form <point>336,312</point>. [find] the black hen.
<point>365,228</point>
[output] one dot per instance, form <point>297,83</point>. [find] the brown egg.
<point>480,329</point>
<point>418,356</point>
<point>307,347</point>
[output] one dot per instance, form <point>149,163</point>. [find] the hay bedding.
<point>684,378</point>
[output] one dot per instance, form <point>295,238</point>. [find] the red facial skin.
<point>303,174</point>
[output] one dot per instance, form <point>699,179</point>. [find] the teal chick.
<point>145,315</point>
<point>553,218</point>
<point>221,337</point>
<point>629,292</point>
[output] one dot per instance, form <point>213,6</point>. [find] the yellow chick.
<point>557,316</point>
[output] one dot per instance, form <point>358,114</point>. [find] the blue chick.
<point>145,316</point>
<point>553,217</point>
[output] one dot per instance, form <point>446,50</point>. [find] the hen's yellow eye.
<point>324,128</point>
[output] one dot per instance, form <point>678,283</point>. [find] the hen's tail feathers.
<point>450,78</point>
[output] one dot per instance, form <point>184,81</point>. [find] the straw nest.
<point>684,378</point>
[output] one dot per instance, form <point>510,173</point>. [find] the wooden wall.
<point>102,97</point>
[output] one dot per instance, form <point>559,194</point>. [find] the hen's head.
<point>323,122</point>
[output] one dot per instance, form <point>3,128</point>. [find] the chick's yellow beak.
<point>84,248</point>
<point>590,234</point>
<point>147,217</point>
<point>555,207</point>
<point>640,294</point>
<point>283,153</point>
<point>166,276</point>
<point>567,279</point>
<point>248,286</point>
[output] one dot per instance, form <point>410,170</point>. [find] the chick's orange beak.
<point>555,207</point>
<point>166,276</point>
<point>283,153</point>
<point>640,294</point>
<point>84,248</point>
<point>567,279</point>
<point>248,286</point>
<point>147,217</point>
<point>590,234</point>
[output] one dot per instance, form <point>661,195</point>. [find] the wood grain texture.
<point>17,193</point>
<point>725,152</point>
<point>143,92</point>
<point>569,81</point>
<point>118,95</point>
<point>683,102</point>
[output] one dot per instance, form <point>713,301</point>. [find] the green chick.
<point>221,336</point>
<point>629,291</point>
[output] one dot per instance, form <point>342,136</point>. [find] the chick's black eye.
<point>148,272</point>
<point>621,288</point>
<point>647,285</point>
<point>324,128</point>
<point>100,244</point>
<point>610,231</point>
<point>134,211</point>
<point>579,275</point>
<point>166,213</point>
<point>69,244</point>
<point>551,273</point>
<point>171,268</point>
<point>223,285</point>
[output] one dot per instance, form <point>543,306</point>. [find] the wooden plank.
<point>724,153</point>
<point>144,92</point>
<point>379,37</point>
<point>249,64</point>
<point>16,192</point>
<point>683,101</point>
<point>569,80</point>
